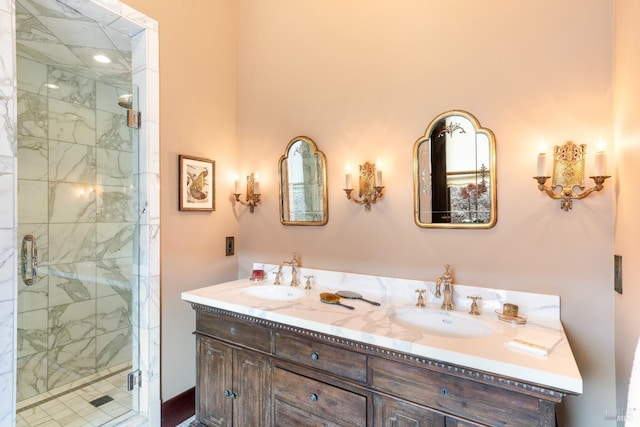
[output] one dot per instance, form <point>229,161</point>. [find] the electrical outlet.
<point>230,246</point>
<point>617,273</point>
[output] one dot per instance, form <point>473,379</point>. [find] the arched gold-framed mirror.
<point>454,173</point>
<point>303,184</point>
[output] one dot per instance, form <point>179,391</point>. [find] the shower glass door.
<point>77,209</point>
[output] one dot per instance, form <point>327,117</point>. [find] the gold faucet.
<point>294,270</point>
<point>308,284</point>
<point>278,274</point>
<point>445,279</point>
<point>474,309</point>
<point>420,302</point>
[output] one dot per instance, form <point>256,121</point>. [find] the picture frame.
<point>196,184</point>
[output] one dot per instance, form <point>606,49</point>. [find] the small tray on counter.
<point>518,320</point>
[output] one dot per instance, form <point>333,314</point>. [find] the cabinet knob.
<point>313,397</point>
<point>230,394</point>
<point>315,355</point>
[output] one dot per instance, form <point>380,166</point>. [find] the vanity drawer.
<point>302,401</point>
<point>233,330</point>
<point>457,396</point>
<point>334,360</point>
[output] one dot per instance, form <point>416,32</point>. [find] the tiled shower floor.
<point>69,406</point>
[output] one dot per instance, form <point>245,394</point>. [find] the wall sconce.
<point>568,173</point>
<point>253,192</point>
<point>370,186</point>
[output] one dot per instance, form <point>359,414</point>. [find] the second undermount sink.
<point>442,323</point>
<point>274,293</point>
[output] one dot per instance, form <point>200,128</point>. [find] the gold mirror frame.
<point>481,179</point>
<point>310,189</point>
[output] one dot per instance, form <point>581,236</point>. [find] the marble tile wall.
<point>7,213</point>
<point>77,162</point>
<point>67,284</point>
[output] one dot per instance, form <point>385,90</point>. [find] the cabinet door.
<point>213,377</point>
<point>397,413</point>
<point>252,383</point>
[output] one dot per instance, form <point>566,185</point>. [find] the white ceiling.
<point>54,33</point>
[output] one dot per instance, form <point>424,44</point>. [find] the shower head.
<point>125,101</point>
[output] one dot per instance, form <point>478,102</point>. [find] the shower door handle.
<point>29,257</point>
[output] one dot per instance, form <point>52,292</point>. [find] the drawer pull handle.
<point>315,355</point>
<point>444,391</point>
<point>230,394</point>
<point>313,397</point>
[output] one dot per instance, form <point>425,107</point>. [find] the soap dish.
<point>518,320</point>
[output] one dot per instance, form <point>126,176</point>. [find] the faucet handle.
<point>420,302</point>
<point>475,310</point>
<point>308,284</point>
<point>278,274</point>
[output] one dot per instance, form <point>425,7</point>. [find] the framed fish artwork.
<point>197,184</point>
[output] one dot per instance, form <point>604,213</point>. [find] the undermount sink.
<point>274,293</point>
<point>442,323</point>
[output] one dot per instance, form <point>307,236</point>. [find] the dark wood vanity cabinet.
<point>253,372</point>
<point>233,385</point>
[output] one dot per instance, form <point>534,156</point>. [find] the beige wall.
<point>627,227</point>
<point>198,79</point>
<point>364,78</point>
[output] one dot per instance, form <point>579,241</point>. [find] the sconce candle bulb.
<point>347,177</point>
<point>348,184</point>
<point>542,164</point>
<point>600,164</point>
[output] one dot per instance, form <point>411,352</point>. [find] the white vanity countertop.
<point>375,325</point>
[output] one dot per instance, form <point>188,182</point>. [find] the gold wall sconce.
<point>568,174</point>
<point>253,192</point>
<point>370,186</point>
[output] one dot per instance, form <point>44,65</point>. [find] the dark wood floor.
<point>179,408</point>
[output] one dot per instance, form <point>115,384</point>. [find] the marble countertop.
<point>375,325</point>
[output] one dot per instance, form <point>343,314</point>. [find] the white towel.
<point>539,343</point>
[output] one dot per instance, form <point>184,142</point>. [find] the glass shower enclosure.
<point>77,208</point>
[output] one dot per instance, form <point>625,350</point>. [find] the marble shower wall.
<point>143,34</point>
<point>77,163</point>
<point>7,214</point>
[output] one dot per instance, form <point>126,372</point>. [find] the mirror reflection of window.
<point>454,176</point>
<point>303,198</point>
<point>467,168</point>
